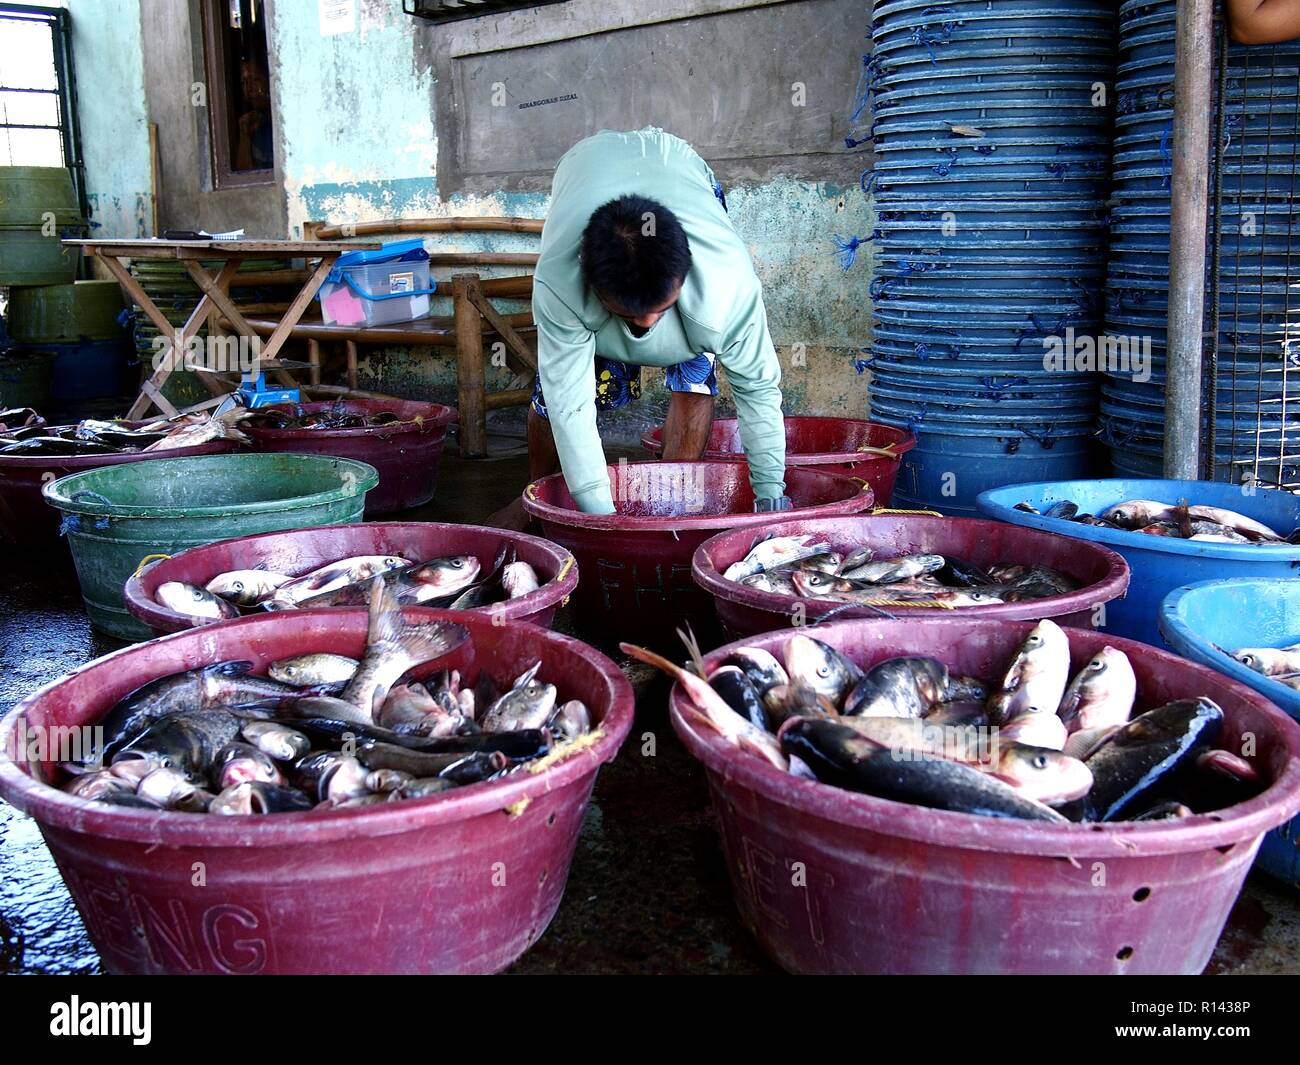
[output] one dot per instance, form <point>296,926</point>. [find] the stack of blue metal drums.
<point>1254,170</point>
<point>992,134</point>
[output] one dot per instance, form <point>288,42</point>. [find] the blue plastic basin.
<point>1159,563</point>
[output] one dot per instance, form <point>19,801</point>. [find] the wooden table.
<point>214,299</point>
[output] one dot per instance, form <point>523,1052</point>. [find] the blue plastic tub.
<point>1199,619</point>
<point>1159,563</point>
<point>953,464</point>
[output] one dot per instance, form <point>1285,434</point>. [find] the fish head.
<point>1251,659</point>
<point>812,583</point>
<point>819,666</point>
<point>166,787</point>
<point>239,762</point>
<point>190,600</point>
<point>1042,773</point>
<point>447,574</point>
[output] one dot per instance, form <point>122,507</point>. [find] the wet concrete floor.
<point>648,891</point>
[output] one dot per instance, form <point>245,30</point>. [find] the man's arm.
<point>566,357</point>
<point>1263,21</point>
<point>755,378</point>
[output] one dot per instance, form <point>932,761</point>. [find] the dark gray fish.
<point>520,746</point>
<point>221,684</point>
<point>838,755</point>
<point>739,693</point>
<point>956,573</point>
<point>1129,767</point>
<point>187,741</point>
<point>1064,509</point>
<point>908,686</point>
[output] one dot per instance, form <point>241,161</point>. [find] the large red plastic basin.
<point>1101,573</point>
<point>407,453</point>
<point>896,888</point>
<point>830,444</point>
<point>636,564</point>
<point>299,551</point>
<point>27,520</point>
<point>462,883</point>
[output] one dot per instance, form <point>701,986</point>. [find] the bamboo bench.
<point>473,324</point>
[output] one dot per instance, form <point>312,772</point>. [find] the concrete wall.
<point>395,118</point>
<point>107,55</point>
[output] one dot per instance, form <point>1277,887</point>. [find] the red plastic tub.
<point>299,551</point>
<point>896,888</point>
<point>407,453</point>
<point>830,444</point>
<point>28,521</point>
<point>636,564</point>
<point>1101,573</point>
<point>462,883</point>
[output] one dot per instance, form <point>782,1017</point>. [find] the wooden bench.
<point>474,327</point>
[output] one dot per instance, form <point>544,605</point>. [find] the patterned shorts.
<point>619,383</point>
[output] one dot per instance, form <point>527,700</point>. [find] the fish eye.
<point>1039,761</point>
<point>237,586</point>
<point>457,563</point>
<point>824,671</point>
<point>1096,663</point>
<point>1035,641</point>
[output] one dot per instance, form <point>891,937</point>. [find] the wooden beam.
<point>424,225</point>
<point>299,304</point>
<point>470,381</point>
<point>352,363</point>
<point>508,397</point>
<point>513,340</point>
<point>313,357</point>
<point>482,258</point>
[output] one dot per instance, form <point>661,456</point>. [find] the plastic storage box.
<point>389,284</point>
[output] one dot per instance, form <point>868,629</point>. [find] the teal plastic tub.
<point>117,517</point>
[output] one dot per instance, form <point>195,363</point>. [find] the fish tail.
<point>642,654</point>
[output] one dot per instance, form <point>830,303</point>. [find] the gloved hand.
<point>765,506</point>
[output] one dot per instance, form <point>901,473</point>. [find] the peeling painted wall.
<point>108,63</point>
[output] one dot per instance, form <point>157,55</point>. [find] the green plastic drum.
<point>29,193</point>
<point>84,310</point>
<point>115,517</point>
<point>29,257</point>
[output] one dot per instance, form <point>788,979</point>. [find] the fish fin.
<point>693,649</point>
<point>528,675</point>
<point>385,624</point>
<point>424,643</point>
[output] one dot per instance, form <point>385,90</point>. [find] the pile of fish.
<point>1281,664</point>
<point>1032,743</point>
<point>336,416</point>
<point>322,731</point>
<point>456,582</point>
<point>799,566</point>
<point>1207,524</point>
<point>94,437</point>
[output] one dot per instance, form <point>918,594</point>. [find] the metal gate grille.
<point>1251,427</point>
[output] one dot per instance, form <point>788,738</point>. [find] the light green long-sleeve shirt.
<point>720,309</point>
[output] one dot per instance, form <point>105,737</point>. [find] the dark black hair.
<point>634,251</point>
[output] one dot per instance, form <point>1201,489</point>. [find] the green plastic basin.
<point>115,517</point>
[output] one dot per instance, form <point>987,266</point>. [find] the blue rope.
<point>847,249</point>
